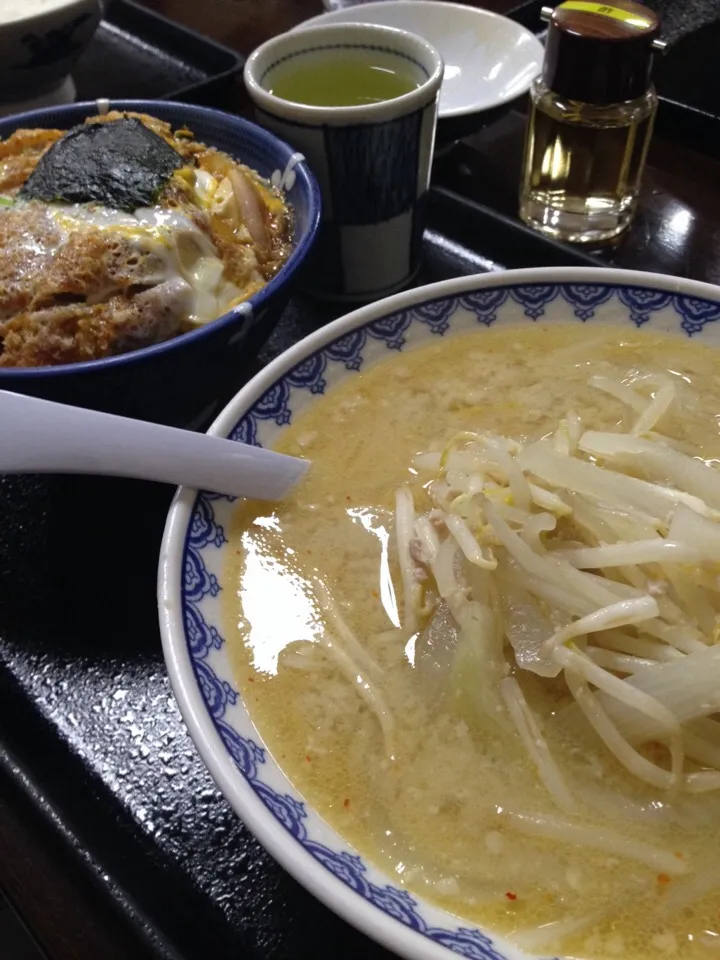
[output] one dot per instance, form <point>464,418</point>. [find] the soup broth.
<point>404,768</point>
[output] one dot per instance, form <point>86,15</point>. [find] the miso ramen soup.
<point>480,638</point>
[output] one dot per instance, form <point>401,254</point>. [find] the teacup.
<point>372,160</point>
<point>40,41</point>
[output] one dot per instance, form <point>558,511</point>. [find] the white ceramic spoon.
<point>37,436</point>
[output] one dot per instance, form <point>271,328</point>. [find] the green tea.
<point>340,83</point>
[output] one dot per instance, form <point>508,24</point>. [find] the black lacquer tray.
<point>91,742</point>
<point>138,54</point>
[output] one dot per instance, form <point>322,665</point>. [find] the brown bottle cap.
<point>600,53</point>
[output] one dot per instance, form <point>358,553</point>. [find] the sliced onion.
<point>250,207</point>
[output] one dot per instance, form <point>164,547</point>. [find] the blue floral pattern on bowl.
<point>202,538</point>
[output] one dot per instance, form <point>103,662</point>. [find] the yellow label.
<point>632,19</point>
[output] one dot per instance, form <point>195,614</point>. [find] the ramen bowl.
<point>196,545</point>
<point>185,380</point>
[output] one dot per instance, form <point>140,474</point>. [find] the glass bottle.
<point>590,122</point>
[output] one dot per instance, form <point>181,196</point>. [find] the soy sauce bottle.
<point>591,117</point>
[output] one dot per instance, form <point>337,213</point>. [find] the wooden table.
<point>677,231</point>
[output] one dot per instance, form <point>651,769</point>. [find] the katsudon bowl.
<point>184,380</point>
<point>429,831</point>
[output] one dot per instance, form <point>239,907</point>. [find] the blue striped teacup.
<point>372,160</point>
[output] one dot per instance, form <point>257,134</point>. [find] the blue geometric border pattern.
<point>638,304</point>
<point>628,304</point>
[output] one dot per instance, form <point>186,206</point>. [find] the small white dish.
<point>489,59</point>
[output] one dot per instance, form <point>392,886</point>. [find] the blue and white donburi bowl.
<point>372,161</point>
<point>191,580</point>
<point>183,381</point>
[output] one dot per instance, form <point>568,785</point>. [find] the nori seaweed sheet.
<point>121,164</point>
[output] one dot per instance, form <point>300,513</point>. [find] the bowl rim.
<point>254,303</point>
<point>289,853</point>
<point>63,7</point>
<point>355,34</point>
<point>331,18</point>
